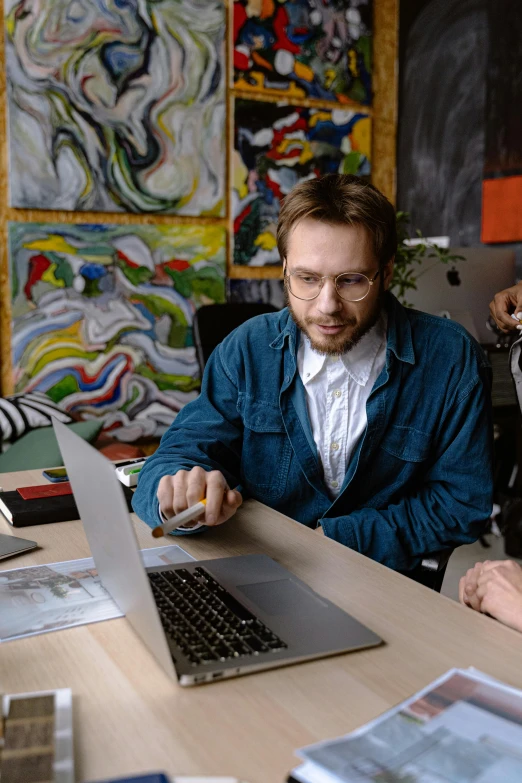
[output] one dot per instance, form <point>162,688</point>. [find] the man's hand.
<point>186,488</point>
<point>495,587</point>
<point>504,304</point>
<point>468,587</point>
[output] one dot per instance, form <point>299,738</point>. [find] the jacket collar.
<point>399,339</point>
<point>289,330</point>
<point>399,330</point>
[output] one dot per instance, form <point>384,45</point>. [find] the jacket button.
<point>287,379</point>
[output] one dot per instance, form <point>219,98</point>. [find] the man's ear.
<point>387,273</point>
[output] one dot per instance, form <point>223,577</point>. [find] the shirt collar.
<point>358,362</point>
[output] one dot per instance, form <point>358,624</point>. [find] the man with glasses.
<point>345,411</point>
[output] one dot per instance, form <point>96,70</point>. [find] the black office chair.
<point>432,569</point>
<point>212,323</point>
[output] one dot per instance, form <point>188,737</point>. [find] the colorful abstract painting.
<point>317,49</point>
<point>117,105</point>
<point>102,317</point>
<point>277,146</point>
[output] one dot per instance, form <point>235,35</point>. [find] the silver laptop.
<point>202,620</point>
<point>463,292</point>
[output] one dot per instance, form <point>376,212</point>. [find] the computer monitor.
<point>463,291</point>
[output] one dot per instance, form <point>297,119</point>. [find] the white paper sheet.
<point>463,728</point>
<point>51,597</point>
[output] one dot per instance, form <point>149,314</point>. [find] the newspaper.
<point>463,728</point>
<point>51,597</point>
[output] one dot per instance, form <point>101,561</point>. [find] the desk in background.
<point>129,717</point>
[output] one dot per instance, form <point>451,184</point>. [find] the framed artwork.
<point>315,49</point>
<point>102,317</point>
<point>117,106</point>
<point>275,147</point>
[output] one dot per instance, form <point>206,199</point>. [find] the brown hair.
<point>340,199</point>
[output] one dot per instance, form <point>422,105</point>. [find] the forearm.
<point>451,504</point>
<point>401,535</point>
<point>206,434</point>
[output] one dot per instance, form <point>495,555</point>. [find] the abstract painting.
<point>102,317</point>
<point>275,147</point>
<point>317,49</point>
<point>117,106</point>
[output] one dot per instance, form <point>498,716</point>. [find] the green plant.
<point>409,257</point>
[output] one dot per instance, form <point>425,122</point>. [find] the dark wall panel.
<point>441,138</point>
<point>504,89</point>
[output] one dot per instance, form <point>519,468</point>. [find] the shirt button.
<point>334,484</point>
<point>335,446</point>
<point>337,393</point>
<point>307,374</point>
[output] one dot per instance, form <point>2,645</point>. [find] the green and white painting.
<point>102,317</point>
<point>117,105</point>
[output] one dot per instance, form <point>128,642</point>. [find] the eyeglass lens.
<point>350,286</point>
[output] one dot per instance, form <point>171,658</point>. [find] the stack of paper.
<point>463,728</point>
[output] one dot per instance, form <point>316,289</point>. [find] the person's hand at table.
<point>495,587</point>
<point>504,304</point>
<point>188,487</point>
<point>468,587</point>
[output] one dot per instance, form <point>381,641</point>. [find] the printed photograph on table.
<point>317,49</point>
<point>102,317</point>
<point>275,147</point>
<point>116,106</point>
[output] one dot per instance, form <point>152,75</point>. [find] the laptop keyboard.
<point>205,621</point>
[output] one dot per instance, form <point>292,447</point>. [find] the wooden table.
<point>129,717</point>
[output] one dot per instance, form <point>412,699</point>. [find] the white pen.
<point>180,519</point>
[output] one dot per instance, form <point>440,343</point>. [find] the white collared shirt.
<point>337,389</point>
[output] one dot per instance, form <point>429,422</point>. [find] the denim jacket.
<point>420,478</point>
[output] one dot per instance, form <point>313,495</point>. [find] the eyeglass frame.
<point>322,278</point>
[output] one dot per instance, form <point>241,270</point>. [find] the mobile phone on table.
<point>55,474</point>
<point>12,545</point>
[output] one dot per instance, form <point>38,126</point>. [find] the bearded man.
<point>346,411</point>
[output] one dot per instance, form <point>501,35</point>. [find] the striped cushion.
<point>24,412</point>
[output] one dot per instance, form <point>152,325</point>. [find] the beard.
<point>332,345</point>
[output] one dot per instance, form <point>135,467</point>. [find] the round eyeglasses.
<point>350,286</point>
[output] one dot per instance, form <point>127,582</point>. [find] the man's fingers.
<point>196,486</point>
<point>473,600</point>
<point>231,502</point>
<point>186,488</point>
<point>462,584</point>
<point>234,498</point>
<point>216,486</point>
<point>490,565</point>
<point>503,304</point>
<point>165,495</point>
<point>180,481</point>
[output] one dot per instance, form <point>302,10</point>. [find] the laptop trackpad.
<point>282,596</point>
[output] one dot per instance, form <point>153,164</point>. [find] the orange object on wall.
<point>502,210</point>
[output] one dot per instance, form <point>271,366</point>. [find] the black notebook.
<point>40,511</point>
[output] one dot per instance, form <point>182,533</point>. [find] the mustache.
<point>310,321</point>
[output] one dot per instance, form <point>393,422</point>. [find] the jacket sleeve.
<point>206,432</point>
<point>451,507</point>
